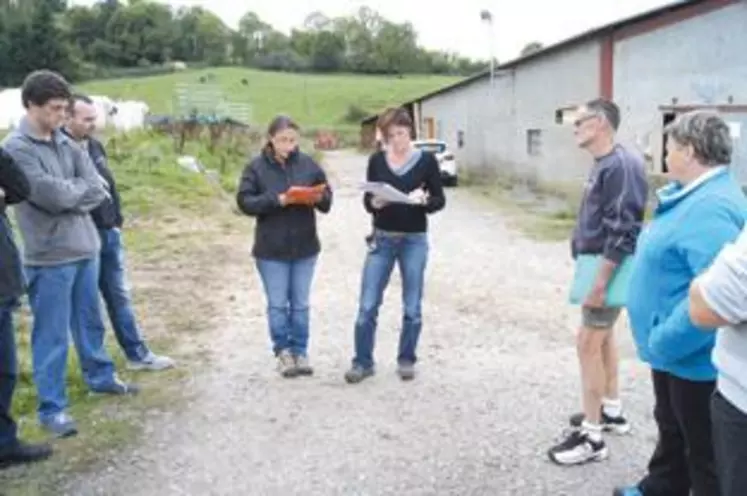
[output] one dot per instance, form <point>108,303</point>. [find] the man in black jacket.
<point>14,188</point>
<point>80,124</point>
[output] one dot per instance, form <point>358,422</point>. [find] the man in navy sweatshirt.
<point>80,124</point>
<point>609,222</point>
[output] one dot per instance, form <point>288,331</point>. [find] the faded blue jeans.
<point>116,294</point>
<point>287,288</point>
<point>65,298</point>
<point>410,252</point>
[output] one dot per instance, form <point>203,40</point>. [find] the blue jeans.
<point>410,252</point>
<point>8,373</point>
<point>287,286</point>
<point>114,289</point>
<point>66,297</point>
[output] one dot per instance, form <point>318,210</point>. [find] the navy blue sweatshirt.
<point>613,205</point>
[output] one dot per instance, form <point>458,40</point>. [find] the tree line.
<point>113,37</point>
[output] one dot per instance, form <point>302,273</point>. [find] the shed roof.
<point>561,45</point>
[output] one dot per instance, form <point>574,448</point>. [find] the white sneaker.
<point>152,362</point>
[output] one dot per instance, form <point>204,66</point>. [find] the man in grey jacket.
<point>718,298</point>
<point>61,247</point>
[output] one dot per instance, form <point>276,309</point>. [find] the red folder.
<point>304,195</point>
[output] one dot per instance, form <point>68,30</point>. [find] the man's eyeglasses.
<point>583,119</point>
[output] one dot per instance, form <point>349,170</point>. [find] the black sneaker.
<point>578,448</point>
<point>20,453</point>
<point>615,425</point>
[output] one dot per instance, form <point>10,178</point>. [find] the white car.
<point>446,161</point>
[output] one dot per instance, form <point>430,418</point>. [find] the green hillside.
<point>312,99</point>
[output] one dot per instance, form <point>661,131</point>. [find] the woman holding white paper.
<point>399,236</point>
<point>700,211</point>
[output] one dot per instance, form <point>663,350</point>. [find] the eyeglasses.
<point>583,119</point>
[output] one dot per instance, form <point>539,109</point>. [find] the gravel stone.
<point>497,379</point>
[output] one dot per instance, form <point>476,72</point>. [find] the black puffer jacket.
<point>15,189</point>
<point>282,233</point>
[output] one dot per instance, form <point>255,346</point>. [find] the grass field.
<point>314,100</point>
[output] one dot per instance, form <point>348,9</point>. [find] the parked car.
<point>446,160</point>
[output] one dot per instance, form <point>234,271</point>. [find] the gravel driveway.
<point>498,378</point>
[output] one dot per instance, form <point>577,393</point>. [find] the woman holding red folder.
<point>282,188</point>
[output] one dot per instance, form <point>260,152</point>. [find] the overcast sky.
<point>455,25</point>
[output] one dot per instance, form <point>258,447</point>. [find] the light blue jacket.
<point>690,227</point>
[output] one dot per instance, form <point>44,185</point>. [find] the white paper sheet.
<point>387,192</point>
<point>735,128</point>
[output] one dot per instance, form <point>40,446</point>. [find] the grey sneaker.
<point>118,388</point>
<point>357,374</point>
<point>406,371</point>
<point>151,362</point>
<point>303,367</point>
<point>286,364</point>
<point>60,425</point>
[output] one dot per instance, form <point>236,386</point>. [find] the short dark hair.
<point>394,117</point>
<point>606,108</point>
<point>44,85</point>
<point>75,98</point>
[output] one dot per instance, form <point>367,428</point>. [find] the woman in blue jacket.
<point>698,213</point>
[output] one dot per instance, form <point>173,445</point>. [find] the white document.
<point>735,128</point>
<point>388,193</point>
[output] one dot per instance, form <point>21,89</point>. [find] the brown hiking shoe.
<point>286,364</point>
<point>303,367</point>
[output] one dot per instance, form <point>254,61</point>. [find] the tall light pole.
<point>487,17</point>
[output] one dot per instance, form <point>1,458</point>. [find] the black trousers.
<point>730,445</point>
<point>8,374</point>
<point>684,459</point>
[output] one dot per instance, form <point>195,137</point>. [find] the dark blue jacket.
<point>282,233</point>
<point>108,214</point>
<point>16,189</point>
<point>612,209</point>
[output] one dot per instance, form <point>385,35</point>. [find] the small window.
<point>534,142</point>
<point>565,115</point>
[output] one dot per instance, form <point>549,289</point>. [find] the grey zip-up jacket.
<point>724,289</point>
<point>612,209</point>
<point>54,221</point>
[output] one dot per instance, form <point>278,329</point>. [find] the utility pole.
<point>487,17</point>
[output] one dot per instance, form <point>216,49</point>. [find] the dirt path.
<point>498,377</point>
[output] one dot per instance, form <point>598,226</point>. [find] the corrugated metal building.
<point>686,55</point>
